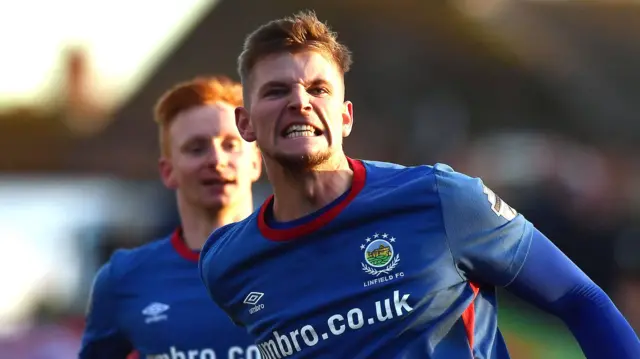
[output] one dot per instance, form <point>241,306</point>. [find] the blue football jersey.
<point>404,265</point>
<point>150,299</point>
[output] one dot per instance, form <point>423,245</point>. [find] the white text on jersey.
<point>233,353</point>
<point>284,345</point>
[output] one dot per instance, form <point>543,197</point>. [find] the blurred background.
<point>539,98</point>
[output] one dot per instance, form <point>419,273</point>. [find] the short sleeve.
<point>489,240</point>
<point>101,338</point>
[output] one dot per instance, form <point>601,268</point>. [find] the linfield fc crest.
<point>379,254</point>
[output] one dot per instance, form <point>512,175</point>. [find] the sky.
<point>125,40</point>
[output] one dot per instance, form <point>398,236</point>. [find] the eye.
<point>197,149</point>
<point>232,145</point>
<point>276,92</point>
<point>318,91</point>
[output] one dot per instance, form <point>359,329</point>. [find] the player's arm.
<point>492,244</point>
<point>555,284</point>
<point>488,239</point>
<point>101,338</point>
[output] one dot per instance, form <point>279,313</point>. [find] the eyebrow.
<point>282,83</point>
<point>203,138</point>
<point>321,82</point>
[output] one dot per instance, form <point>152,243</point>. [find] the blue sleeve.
<point>207,268</point>
<point>204,264</point>
<point>553,283</point>
<point>488,239</point>
<point>101,338</point>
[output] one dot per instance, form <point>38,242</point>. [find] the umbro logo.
<point>252,299</point>
<point>155,312</point>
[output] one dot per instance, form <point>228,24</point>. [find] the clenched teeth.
<point>301,131</point>
<point>300,134</point>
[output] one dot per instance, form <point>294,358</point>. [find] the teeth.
<point>294,128</point>
<point>300,131</point>
<point>300,128</point>
<point>300,134</point>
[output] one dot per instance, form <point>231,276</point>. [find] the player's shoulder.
<point>220,251</point>
<point>388,174</point>
<point>102,281</point>
<point>463,193</point>
<point>437,178</point>
<point>457,184</point>
<point>124,262</point>
<point>444,171</point>
<point>222,237</point>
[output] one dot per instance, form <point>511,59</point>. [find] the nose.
<point>218,157</point>
<point>299,100</point>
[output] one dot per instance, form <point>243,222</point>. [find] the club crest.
<point>379,254</point>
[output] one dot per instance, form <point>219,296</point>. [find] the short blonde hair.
<point>189,94</point>
<point>300,32</point>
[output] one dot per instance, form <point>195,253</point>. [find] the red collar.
<point>274,234</point>
<point>181,247</point>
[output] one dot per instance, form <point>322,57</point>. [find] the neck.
<point>198,223</point>
<point>299,194</point>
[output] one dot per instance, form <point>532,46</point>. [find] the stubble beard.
<point>296,164</point>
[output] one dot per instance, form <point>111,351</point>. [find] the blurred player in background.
<point>358,259</point>
<point>150,299</point>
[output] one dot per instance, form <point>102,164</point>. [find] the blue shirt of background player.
<point>150,299</point>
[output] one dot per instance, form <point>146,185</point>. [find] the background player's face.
<point>209,164</point>
<point>297,112</point>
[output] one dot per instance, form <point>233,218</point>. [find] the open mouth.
<point>297,130</point>
<point>217,182</point>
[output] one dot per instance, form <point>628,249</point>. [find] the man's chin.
<point>214,203</point>
<point>301,161</point>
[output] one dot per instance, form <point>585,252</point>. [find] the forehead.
<point>300,67</point>
<point>215,120</point>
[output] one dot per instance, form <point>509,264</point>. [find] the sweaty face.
<point>297,115</point>
<point>209,164</point>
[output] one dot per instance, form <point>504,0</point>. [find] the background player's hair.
<point>300,32</point>
<point>186,95</point>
